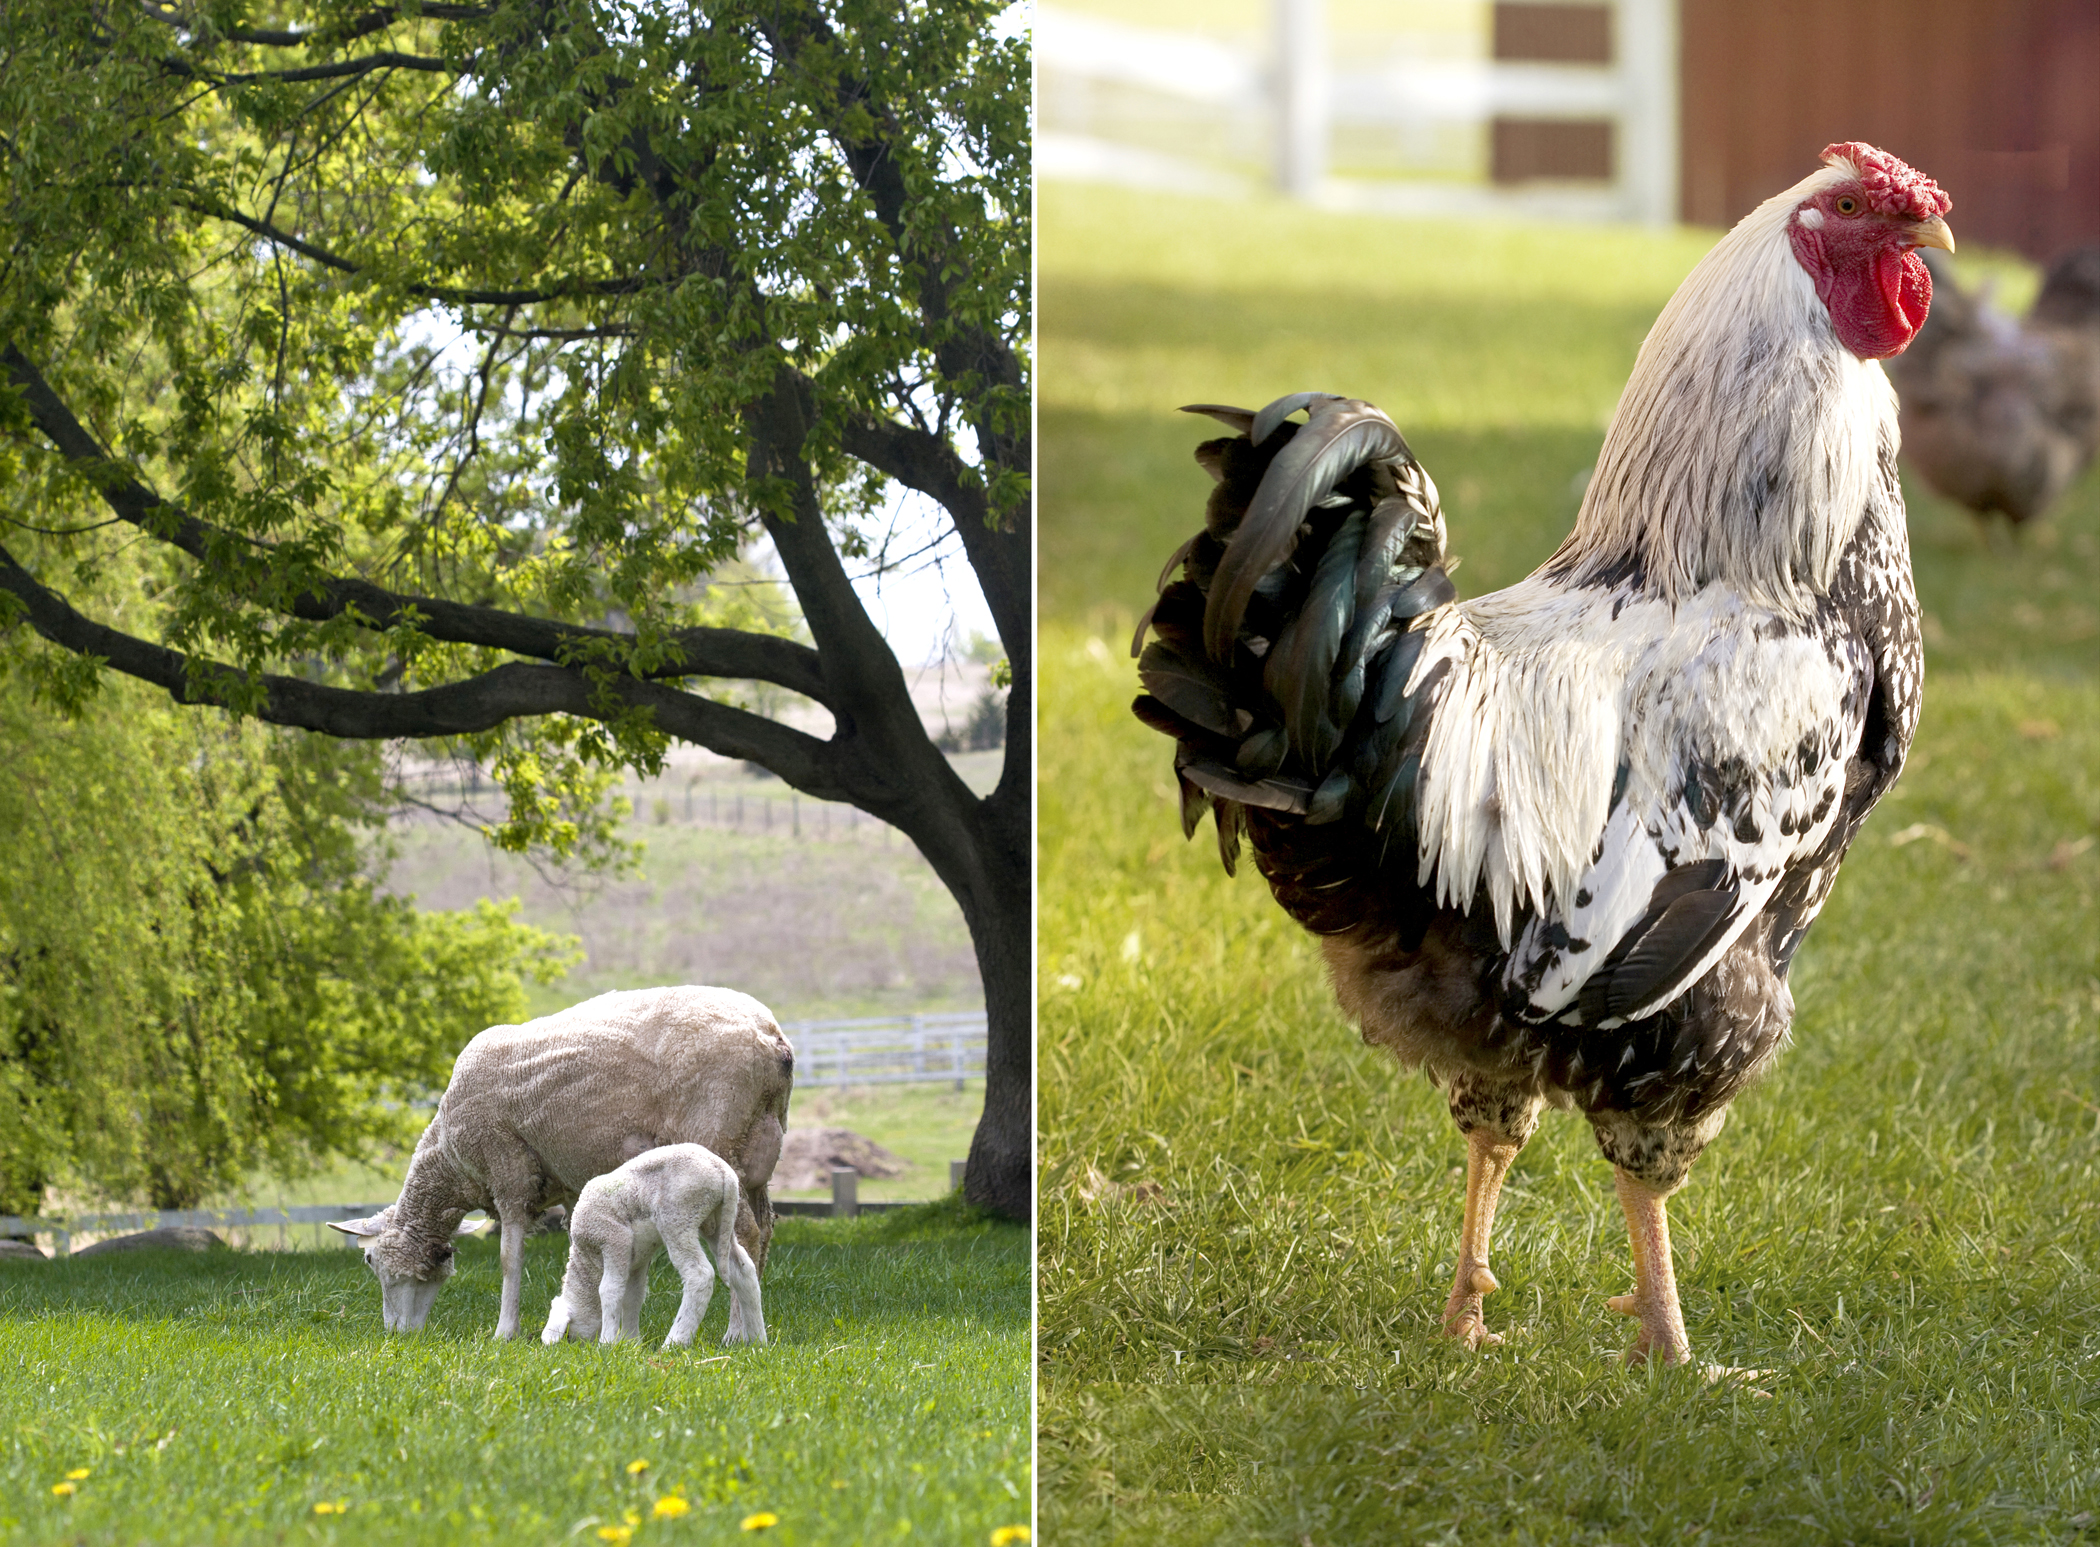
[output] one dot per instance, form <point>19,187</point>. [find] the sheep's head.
<point>411,1269</point>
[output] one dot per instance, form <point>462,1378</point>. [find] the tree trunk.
<point>1001,1171</point>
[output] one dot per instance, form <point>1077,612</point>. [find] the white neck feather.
<point>1747,440</point>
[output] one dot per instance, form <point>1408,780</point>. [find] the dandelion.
<point>79,1474</point>
<point>632,1516</point>
<point>62,1490</point>
<point>761,1520</point>
<point>636,1468</point>
<point>332,1507</point>
<point>1006,1536</point>
<point>619,1536</point>
<point>670,1507</point>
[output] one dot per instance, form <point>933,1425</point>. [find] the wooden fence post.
<point>845,1192</point>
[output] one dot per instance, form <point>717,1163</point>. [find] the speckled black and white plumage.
<point>1562,842</point>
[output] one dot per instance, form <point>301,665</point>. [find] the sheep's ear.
<point>470,1229</point>
<point>370,1226</point>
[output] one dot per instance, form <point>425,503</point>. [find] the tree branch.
<point>334,70</point>
<point>567,290</point>
<point>921,460</point>
<point>701,652</point>
<point>357,27</point>
<point>456,709</point>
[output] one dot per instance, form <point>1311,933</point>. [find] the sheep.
<point>535,1111</point>
<point>670,1196</point>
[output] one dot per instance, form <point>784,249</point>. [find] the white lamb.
<point>535,1111</point>
<point>671,1196</point>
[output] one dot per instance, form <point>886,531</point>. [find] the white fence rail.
<point>1292,91</point>
<point>63,1229</point>
<point>895,1050</point>
<point>844,1203</point>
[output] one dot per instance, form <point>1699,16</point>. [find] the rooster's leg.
<point>1654,1297</point>
<point>1488,1157</point>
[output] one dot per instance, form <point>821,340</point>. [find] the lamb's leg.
<point>747,1317</point>
<point>1654,1297</point>
<point>699,1280</point>
<point>515,1220</point>
<point>612,1287</point>
<point>641,1257</point>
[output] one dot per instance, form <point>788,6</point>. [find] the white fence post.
<point>1648,129</point>
<point>845,1192</point>
<point>1301,96</point>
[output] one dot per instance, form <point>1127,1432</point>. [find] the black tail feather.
<point>1283,651</point>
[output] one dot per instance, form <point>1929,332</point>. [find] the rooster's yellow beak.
<point>1932,233</point>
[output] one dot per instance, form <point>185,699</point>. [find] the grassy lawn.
<point>1249,1219</point>
<point>219,1398</point>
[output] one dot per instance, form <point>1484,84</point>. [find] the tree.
<point>447,348</point>
<point>197,974</point>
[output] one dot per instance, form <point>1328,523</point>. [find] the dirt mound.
<point>180,1238</point>
<point>808,1154</point>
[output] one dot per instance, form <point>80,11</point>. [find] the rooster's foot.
<point>1662,1331</point>
<point>1462,1312</point>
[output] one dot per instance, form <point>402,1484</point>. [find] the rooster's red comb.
<point>1892,187</point>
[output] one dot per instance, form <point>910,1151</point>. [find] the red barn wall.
<point>1999,100</point>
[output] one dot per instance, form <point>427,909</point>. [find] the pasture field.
<point>1248,1219</point>
<point>841,918</point>
<point>236,1397</point>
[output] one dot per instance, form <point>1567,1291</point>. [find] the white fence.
<point>895,1050</point>
<point>63,1230</point>
<point>844,1204</point>
<point>1291,92</point>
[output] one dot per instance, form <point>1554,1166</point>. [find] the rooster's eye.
<point>1847,205</point>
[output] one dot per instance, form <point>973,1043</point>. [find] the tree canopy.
<point>441,352</point>
<point>198,975</point>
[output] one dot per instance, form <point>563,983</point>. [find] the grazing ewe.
<point>535,1111</point>
<point>669,1197</point>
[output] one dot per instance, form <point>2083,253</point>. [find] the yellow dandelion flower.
<point>761,1520</point>
<point>79,1474</point>
<point>636,1468</point>
<point>332,1507</point>
<point>838,1482</point>
<point>62,1490</point>
<point>1006,1536</point>
<point>670,1507</point>
<point>619,1536</point>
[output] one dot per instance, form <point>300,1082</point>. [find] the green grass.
<point>218,1398</point>
<point>1248,1218</point>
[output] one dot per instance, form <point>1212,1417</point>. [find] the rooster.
<point>1560,843</point>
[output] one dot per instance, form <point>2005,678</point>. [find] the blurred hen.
<point>2001,415</point>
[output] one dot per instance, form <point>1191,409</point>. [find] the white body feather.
<point>1677,627</point>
